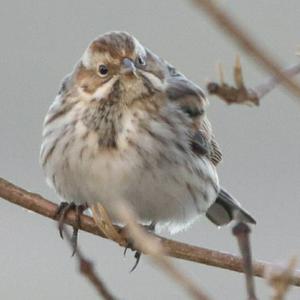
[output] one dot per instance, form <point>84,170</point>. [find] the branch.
<point>151,245</point>
<point>242,38</point>
<point>87,269</point>
<point>242,232</point>
<point>278,278</point>
<point>240,93</point>
<point>42,206</point>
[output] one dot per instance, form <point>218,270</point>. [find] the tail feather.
<point>225,209</point>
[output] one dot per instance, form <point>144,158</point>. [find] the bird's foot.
<point>130,244</point>
<point>137,254</point>
<point>61,214</point>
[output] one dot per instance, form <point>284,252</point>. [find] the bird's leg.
<point>79,209</point>
<point>61,213</point>
<point>137,254</point>
<point>150,227</point>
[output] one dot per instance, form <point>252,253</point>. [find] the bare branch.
<point>103,221</point>
<point>241,94</point>
<point>242,231</point>
<point>151,245</point>
<point>87,269</point>
<point>242,38</point>
<point>279,278</point>
<point>42,206</point>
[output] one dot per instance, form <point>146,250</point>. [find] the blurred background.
<point>40,43</point>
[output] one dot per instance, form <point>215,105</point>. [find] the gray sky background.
<point>40,43</point>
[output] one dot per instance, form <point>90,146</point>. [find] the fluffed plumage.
<point>127,126</point>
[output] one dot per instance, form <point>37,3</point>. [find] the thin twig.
<point>278,278</point>
<point>241,94</point>
<point>264,88</point>
<point>247,43</point>
<point>42,206</point>
<point>242,231</point>
<point>103,221</point>
<point>87,269</point>
<point>151,245</point>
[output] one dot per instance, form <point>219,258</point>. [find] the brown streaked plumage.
<point>117,44</point>
<point>132,128</point>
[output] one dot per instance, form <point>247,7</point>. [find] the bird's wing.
<point>192,101</point>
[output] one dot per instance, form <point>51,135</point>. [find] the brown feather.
<point>192,101</point>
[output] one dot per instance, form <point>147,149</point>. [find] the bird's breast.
<point>151,167</point>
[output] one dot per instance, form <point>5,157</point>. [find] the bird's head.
<point>116,66</point>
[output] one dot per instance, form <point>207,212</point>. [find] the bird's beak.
<point>127,67</point>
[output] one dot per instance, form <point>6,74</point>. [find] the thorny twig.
<point>42,206</point>
<point>279,278</point>
<point>87,269</point>
<point>151,245</point>
<point>242,231</point>
<point>242,38</point>
<point>240,93</point>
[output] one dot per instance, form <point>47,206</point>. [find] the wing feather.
<point>192,101</point>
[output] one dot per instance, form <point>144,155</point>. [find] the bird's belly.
<point>172,195</point>
<point>163,185</point>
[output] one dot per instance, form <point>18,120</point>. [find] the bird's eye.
<point>140,61</point>
<point>103,70</point>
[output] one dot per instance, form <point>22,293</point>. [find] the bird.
<point>127,126</point>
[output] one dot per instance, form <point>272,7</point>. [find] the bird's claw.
<point>137,254</point>
<point>61,213</point>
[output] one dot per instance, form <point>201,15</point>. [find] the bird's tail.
<point>226,209</point>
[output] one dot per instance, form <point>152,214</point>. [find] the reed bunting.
<point>127,126</point>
